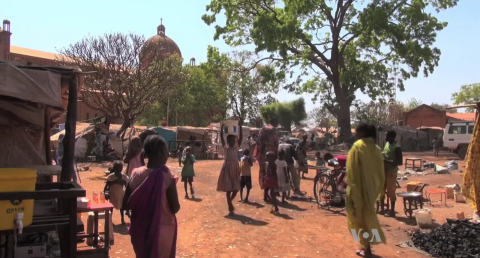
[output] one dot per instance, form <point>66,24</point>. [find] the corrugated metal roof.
<point>462,116</point>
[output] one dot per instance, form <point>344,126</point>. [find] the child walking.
<point>271,179</point>
<point>187,171</point>
<point>180,154</point>
<point>246,163</point>
<point>320,162</point>
<point>229,178</point>
<point>115,187</point>
<point>283,176</point>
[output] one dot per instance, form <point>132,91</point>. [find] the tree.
<point>198,102</point>
<point>288,113</point>
<point>443,107</point>
<point>412,103</point>
<point>246,86</point>
<point>321,117</point>
<point>377,113</point>
<point>122,85</point>
<point>348,45</point>
<point>468,94</point>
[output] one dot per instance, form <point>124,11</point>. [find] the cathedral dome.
<point>160,45</point>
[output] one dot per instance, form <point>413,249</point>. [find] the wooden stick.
<point>462,106</point>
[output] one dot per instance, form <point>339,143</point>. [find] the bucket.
<point>424,218</point>
<point>230,127</point>
<point>16,180</point>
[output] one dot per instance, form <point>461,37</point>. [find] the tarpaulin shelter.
<point>169,134</point>
<point>201,135</point>
<point>409,138</point>
<point>33,99</point>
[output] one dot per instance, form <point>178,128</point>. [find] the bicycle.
<point>326,191</point>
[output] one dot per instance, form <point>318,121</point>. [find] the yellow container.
<point>16,180</point>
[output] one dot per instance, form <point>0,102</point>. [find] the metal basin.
<point>409,194</point>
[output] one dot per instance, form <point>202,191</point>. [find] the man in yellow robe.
<point>471,177</point>
<point>365,183</point>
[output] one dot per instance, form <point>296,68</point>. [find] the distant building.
<point>160,42</point>
<point>427,116</point>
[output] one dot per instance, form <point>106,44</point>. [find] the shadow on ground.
<point>246,220</point>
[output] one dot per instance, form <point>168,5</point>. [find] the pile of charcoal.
<point>454,239</point>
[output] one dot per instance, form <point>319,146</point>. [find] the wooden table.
<point>413,164</point>
<point>96,209</point>
<point>441,192</point>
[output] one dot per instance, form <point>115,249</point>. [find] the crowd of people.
<point>147,193</point>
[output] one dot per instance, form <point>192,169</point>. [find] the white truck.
<point>457,136</point>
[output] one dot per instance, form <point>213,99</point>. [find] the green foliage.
<point>200,101</point>
<point>377,113</point>
<point>323,118</point>
<point>342,46</point>
<point>443,107</point>
<point>412,103</point>
<point>288,113</point>
<point>468,94</point>
<point>248,86</point>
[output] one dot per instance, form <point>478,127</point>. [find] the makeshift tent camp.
<point>200,133</point>
<point>33,99</point>
<point>409,138</point>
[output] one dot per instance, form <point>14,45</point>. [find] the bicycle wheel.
<point>324,189</point>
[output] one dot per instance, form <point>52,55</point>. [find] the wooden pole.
<point>48,147</point>
<point>168,110</point>
<point>70,127</point>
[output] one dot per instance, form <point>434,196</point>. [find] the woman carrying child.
<point>283,176</point>
<point>115,187</point>
<point>187,171</point>
<point>229,178</point>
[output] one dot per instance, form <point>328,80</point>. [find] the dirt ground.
<point>301,229</point>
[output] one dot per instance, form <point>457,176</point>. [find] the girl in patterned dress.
<point>229,179</point>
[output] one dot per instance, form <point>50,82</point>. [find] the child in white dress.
<point>282,175</point>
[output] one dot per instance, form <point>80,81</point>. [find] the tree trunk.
<point>125,125</point>
<point>344,122</point>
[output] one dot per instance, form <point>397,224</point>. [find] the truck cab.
<point>457,136</point>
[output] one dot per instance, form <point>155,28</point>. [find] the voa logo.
<point>374,236</point>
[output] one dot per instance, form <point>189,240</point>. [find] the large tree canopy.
<point>377,113</point>
<point>122,87</point>
<point>290,113</point>
<point>468,94</point>
<point>346,45</point>
<point>202,99</point>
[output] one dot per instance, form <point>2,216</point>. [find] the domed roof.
<point>160,44</point>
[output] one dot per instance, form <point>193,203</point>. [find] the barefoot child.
<point>229,178</point>
<point>271,179</point>
<point>187,171</point>
<point>246,163</point>
<point>180,155</point>
<point>320,162</point>
<point>115,187</point>
<point>282,175</point>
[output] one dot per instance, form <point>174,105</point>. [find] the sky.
<point>49,25</point>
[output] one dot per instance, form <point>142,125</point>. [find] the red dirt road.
<point>301,229</point>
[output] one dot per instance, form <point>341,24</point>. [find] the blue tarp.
<point>170,136</point>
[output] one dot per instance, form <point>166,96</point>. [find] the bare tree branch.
<point>129,77</point>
